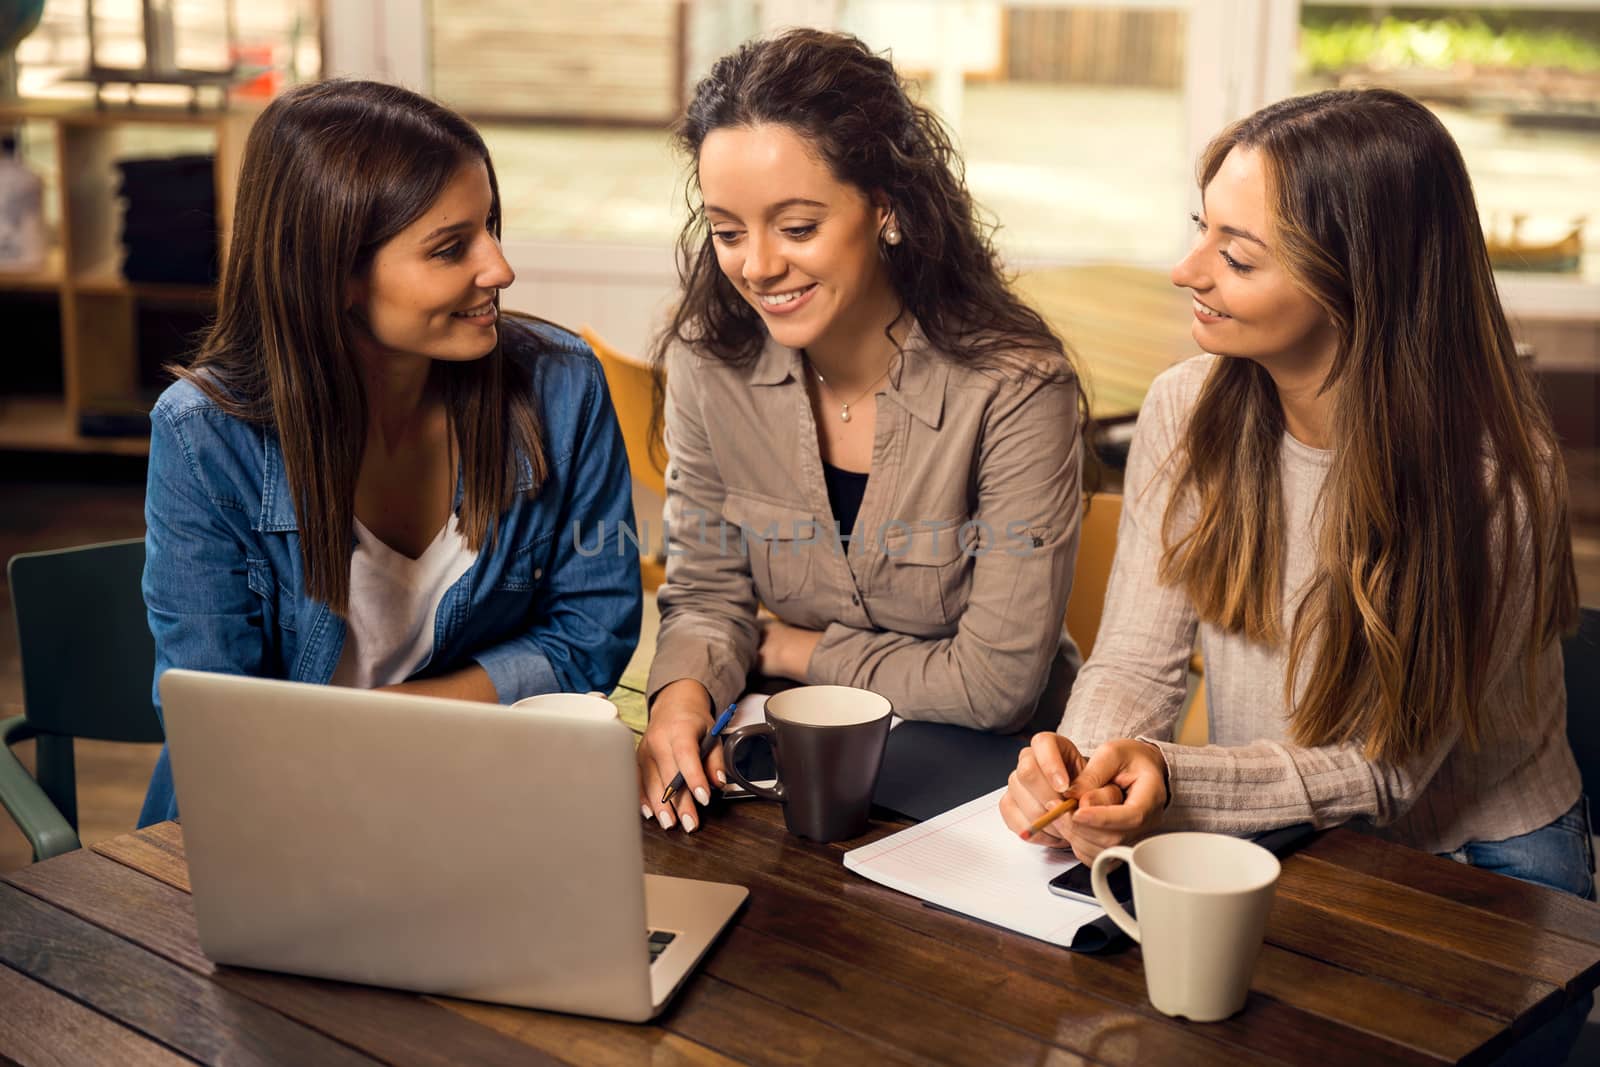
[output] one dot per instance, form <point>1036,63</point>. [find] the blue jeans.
<point>1560,856</point>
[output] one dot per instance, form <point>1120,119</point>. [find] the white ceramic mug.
<point>1202,901</point>
<point>578,705</point>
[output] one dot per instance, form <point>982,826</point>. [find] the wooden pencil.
<point>1049,817</point>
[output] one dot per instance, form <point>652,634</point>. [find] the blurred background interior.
<point>1079,123</point>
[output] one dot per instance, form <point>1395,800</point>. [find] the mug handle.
<point>1098,875</point>
<point>730,755</point>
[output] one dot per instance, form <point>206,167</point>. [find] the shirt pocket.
<point>780,540</point>
<point>277,601</point>
<point>925,577</point>
<point>524,567</point>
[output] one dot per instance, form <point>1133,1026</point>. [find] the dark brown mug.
<point>827,745</point>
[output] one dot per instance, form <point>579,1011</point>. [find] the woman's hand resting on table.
<point>1121,793</point>
<point>679,718</point>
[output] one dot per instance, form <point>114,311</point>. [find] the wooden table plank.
<point>41,1028</point>
<point>1422,918</point>
<point>389,1025</point>
<point>751,1029</point>
<point>137,908</point>
<point>1469,983</point>
<point>875,1010</point>
<point>139,989</point>
<point>591,1042</point>
<point>710,1022</point>
<point>156,851</point>
<point>1432,1028</point>
<point>1536,905</point>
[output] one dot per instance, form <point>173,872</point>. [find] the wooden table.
<point>1376,954</point>
<point>1125,325</point>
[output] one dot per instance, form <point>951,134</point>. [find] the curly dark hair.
<point>852,108</point>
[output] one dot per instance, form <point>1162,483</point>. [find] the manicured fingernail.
<point>1059,783</point>
<point>722,779</point>
<point>644,809</point>
<point>688,824</point>
<point>703,795</point>
<point>665,818</point>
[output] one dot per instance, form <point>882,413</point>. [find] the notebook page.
<point>968,861</point>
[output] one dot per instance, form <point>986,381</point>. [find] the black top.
<point>845,489</point>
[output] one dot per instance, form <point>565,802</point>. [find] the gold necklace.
<point>844,405</point>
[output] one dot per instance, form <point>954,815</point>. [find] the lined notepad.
<point>968,861</point>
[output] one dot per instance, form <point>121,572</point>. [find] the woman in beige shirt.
<point>868,433</point>
<point>1359,503</point>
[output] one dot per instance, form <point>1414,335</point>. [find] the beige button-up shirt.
<point>950,596</point>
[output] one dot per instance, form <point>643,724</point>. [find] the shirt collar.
<point>775,365</point>
<point>277,502</point>
<point>916,382</point>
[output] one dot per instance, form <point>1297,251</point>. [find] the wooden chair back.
<point>628,379</point>
<point>1097,544</point>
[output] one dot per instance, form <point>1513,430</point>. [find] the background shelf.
<point>115,334</point>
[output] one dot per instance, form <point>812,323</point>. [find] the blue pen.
<point>705,750</point>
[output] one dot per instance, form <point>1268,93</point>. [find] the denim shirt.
<point>552,606</point>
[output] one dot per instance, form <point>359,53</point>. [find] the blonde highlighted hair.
<point>1443,454</point>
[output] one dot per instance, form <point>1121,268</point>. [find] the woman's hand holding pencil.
<point>1042,795</point>
<point>1068,804</point>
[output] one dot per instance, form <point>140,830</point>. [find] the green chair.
<point>87,660</point>
<point>1582,654</point>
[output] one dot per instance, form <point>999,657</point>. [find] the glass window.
<point>1069,116</point>
<point>278,39</point>
<point>1517,85</point>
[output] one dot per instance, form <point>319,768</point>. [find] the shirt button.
<point>674,475</point>
<point>855,598</point>
<point>538,572</point>
<point>1038,542</point>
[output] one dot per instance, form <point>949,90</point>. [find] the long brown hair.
<point>852,108</point>
<point>1442,448</point>
<point>330,172</point>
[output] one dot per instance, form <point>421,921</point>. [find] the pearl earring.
<point>891,236</point>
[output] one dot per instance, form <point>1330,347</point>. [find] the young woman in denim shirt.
<point>370,476</point>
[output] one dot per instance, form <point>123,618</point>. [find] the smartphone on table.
<point>1074,881</point>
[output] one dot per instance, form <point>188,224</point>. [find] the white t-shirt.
<point>394,600</point>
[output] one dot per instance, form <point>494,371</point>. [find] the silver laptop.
<point>432,845</point>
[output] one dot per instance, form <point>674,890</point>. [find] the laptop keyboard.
<point>659,940</point>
